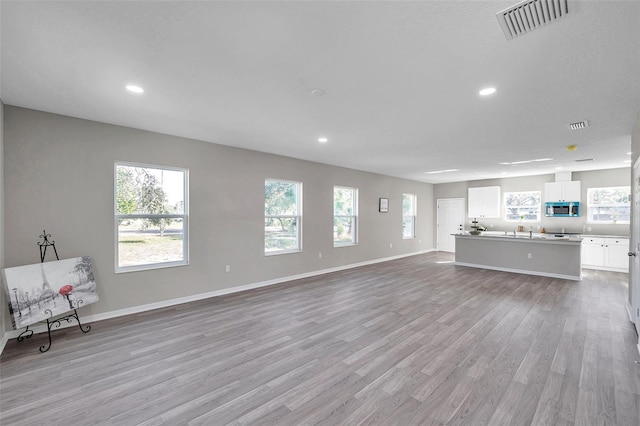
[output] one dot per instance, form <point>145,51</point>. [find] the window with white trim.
<point>609,205</point>
<point>522,206</point>
<point>282,216</point>
<point>151,216</point>
<point>345,216</point>
<point>409,212</point>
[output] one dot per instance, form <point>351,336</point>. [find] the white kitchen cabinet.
<point>484,202</point>
<point>616,253</point>
<point>593,252</point>
<point>609,254</point>
<point>562,191</point>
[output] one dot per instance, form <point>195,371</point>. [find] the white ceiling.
<point>401,79</point>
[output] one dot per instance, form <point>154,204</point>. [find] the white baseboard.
<point>42,328</point>
<point>606,268</point>
<point>628,308</point>
<point>3,342</point>
<point>522,271</point>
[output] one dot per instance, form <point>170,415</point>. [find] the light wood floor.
<point>411,341</point>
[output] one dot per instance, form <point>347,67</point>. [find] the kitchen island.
<point>540,255</point>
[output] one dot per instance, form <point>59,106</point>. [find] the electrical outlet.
<point>390,245</point>
<point>529,255</point>
<point>320,255</point>
<point>227,268</point>
<point>588,228</point>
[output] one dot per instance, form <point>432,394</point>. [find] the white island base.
<point>548,257</point>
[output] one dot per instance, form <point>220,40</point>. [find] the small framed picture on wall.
<point>383,205</point>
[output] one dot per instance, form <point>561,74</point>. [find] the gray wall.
<point>634,282</point>
<point>635,140</point>
<point>589,179</point>
<point>59,177</point>
<point>3,305</point>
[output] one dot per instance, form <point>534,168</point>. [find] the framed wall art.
<point>383,205</point>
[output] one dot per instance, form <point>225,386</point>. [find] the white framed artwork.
<point>45,290</point>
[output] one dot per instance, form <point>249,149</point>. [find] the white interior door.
<point>450,220</point>
<point>634,249</point>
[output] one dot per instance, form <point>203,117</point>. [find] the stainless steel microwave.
<point>562,209</point>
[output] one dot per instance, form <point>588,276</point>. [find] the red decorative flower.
<point>65,289</point>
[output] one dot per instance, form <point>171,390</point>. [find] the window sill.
<point>609,222</point>
<point>279,252</point>
<point>344,245</point>
<point>150,266</point>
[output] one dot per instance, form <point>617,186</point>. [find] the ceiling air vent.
<point>585,160</point>
<point>528,15</point>
<point>578,125</point>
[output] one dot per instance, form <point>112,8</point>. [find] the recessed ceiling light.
<point>135,89</point>
<point>487,91</point>
<point>442,171</point>
<point>323,140</point>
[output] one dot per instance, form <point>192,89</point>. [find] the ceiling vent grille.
<point>579,125</point>
<point>528,15</point>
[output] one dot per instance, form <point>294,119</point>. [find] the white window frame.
<point>353,216</point>
<point>591,206</point>
<point>184,216</point>
<point>413,215</point>
<point>539,207</point>
<point>297,216</point>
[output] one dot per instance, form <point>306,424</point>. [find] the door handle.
<point>631,253</point>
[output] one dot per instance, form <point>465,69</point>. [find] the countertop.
<point>545,236</point>
<point>622,237</point>
<point>523,236</point>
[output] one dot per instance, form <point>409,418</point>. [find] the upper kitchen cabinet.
<point>562,191</point>
<point>484,201</point>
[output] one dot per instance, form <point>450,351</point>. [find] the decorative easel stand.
<point>46,296</point>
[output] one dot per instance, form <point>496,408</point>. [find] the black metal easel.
<point>50,321</point>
